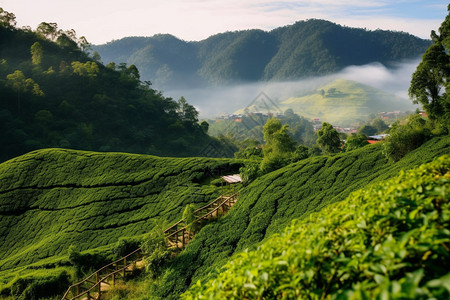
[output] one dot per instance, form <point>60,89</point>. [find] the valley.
<point>307,161</point>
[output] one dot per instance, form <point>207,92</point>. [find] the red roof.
<point>373,141</point>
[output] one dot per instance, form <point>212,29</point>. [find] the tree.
<point>186,111</point>
<point>204,126</point>
<point>277,138</point>
<point>96,56</point>
<point>278,148</point>
<point>18,82</point>
<point>83,44</point>
<point>87,69</point>
<point>432,76</point>
<point>380,125</point>
<point>355,141</point>
<point>405,138</point>
<point>155,244</point>
<point>367,130</point>
<point>7,19</point>
<point>66,41</point>
<point>48,30</point>
<point>328,139</point>
<point>36,54</point>
<point>190,221</point>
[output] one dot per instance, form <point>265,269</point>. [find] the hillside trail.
<point>102,280</point>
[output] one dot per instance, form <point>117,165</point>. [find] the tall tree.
<point>36,54</point>
<point>18,82</point>
<point>431,77</point>
<point>328,139</point>
<point>48,30</point>
<point>279,146</point>
<point>277,138</point>
<point>7,19</point>
<point>186,111</point>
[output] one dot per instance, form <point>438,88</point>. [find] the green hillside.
<point>55,95</point>
<point>343,102</point>
<point>386,241</point>
<point>53,198</point>
<point>306,48</point>
<point>271,202</point>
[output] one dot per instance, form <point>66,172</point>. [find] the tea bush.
<point>386,241</point>
<point>271,202</point>
<point>53,198</point>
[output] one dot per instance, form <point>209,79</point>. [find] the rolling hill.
<point>272,201</point>
<point>54,198</point>
<point>343,102</point>
<point>387,239</point>
<point>306,48</point>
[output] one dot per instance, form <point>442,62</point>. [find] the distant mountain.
<point>342,102</point>
<point>306,48</point>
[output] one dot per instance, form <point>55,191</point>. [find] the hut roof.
<point>236,178</point>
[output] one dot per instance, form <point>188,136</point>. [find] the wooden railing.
<point>178,237</point>
<point>90,287</point>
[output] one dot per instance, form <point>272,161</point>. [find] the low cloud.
<point>213,101</point>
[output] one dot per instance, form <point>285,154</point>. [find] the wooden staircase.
<point>178,237</point>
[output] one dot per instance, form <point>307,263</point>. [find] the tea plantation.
<point>54,198</point>
<point>271,202</point>
<point>51,199</point>
<point>387,241</point>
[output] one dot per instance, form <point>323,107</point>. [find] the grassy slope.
<point>386,241</point>
<point>270,203</point>
<point>354,101</point>
<point>50,199</point>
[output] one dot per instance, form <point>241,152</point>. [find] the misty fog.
<point>214,101</point>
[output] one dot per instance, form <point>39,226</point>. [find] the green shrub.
<point>39,288</point>
<point>190,221</point>
<point>85,263</point>
<point>125,246</point>
<point>155,245</point>
<point>389,241</point>
<point>249,173</point>
<point>405,138</point>
<point>355,141</point>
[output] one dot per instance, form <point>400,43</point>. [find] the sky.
<point>102,21</point>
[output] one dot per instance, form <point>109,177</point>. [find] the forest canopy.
<point>56,95</point>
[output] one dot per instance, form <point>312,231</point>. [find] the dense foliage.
<point>51,199</point>
<point>306,48</point>
<point>432,75</point>
<point>249,126</point>
<point>328,139</point>
<point>54,95</point>
<point>389,241</point>
<point>404,138</point>
<point>272,201</point>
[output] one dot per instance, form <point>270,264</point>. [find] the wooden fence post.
<point>183,239</point>
<point>124,265</point>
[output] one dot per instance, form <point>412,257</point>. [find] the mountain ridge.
<point>306,48</point>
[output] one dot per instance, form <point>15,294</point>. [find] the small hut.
<point>230,181</point>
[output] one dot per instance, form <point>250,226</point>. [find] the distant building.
<point>373,139</point>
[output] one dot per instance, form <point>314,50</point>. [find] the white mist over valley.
<point>219,100</point>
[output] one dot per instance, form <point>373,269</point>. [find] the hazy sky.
<point>101,21</point>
